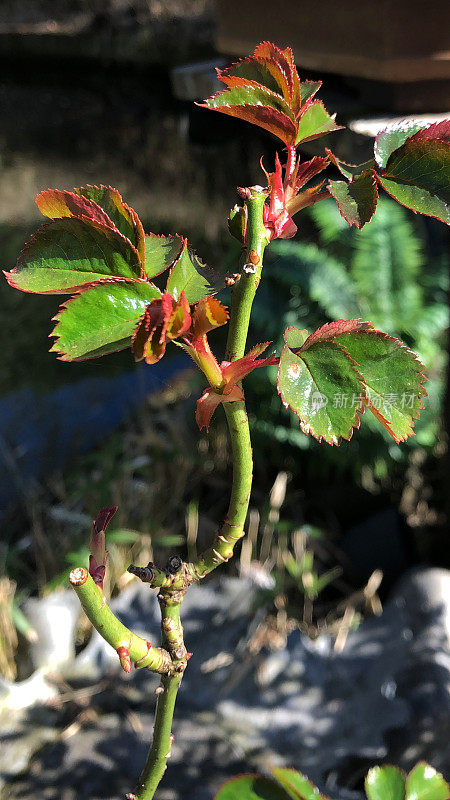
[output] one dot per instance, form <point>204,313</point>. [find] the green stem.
<point>129,646</point>
<point>245,289</point>
<point>162,738</point>
<point>241,304</point>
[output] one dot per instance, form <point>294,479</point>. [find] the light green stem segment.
<point>245,289</point>
<point>241,304</point>
<point>130,647</point>
<point>162,738</point>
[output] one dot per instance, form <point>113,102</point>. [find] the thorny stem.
<point>241,304</point>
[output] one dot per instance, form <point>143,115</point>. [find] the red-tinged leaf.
<point>315,121</point>
<point>358,199</point>
<point>394,379</point>
<point>235,371</point>
<point>103,519</point>
<point>98,552</point>
<point>190,275</point>
<point>329,331</point>
<point>307,197</point>
<point>258,109</point>
<point>210,399</point>
<point>281,61</point>
<point>329,377</point>
<point>246,94</point>
<point>161,252</point>
<point>307,90</point>
<point>308,170</point>
<point>436,130</point>
<point>257,71</point>
<point>313,382</point>
<point>251,787</point>
<point>393,137</point>
<point>162,321</point>
<point>123,217</point>
<point>69,253</point>
<point>349,170</point>
<point>209,313</point>
<point>417,175</point>
<point>57,204</point>
<point>297,786</point>
<point>276,216</point>
<point>101,319</point>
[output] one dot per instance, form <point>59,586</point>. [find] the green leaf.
<point>101,319</point>
<point>308,89</point>
<point>418,176</point>
<point>251,787</point>
<point>393,137</point>
<point>190,275</point>
<point>161,252</point>
<point>424,783</point>
<point>385,783</point>
<point>315,122</point>
<point>329,377</point>
<point>393,376</point>
<point>297,786</point>
<point>356,200</point>
<point>315,382</point>
<point>69,253</point>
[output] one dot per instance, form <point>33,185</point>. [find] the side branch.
<point>129,647</point>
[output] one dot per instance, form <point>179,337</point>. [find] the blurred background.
<point>347,548</point>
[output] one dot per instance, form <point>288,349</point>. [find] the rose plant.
<point>94,249</point>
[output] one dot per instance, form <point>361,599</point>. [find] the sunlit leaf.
<point>101,319</point>
<point>357,200</point>
<point>393,137</point>
<point>418,176</point>
<point>191,275</point>
<point>251,787</point>
<point>424,783</point>
<point>161,252</point>
<point>297,786</point>
<point>385,783</point>
<point>69,253</point>
<point>331,376</point>
<point>315,122</point>
<point>123,217</point>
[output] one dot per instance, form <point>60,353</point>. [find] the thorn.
<point>174,565</point>
<point>188,656</point>
<point>124,658</point>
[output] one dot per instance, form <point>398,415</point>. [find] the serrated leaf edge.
<point>359,410</point>
<point>60,354</point>
<point>32,240</point>
<point>349,183</point>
